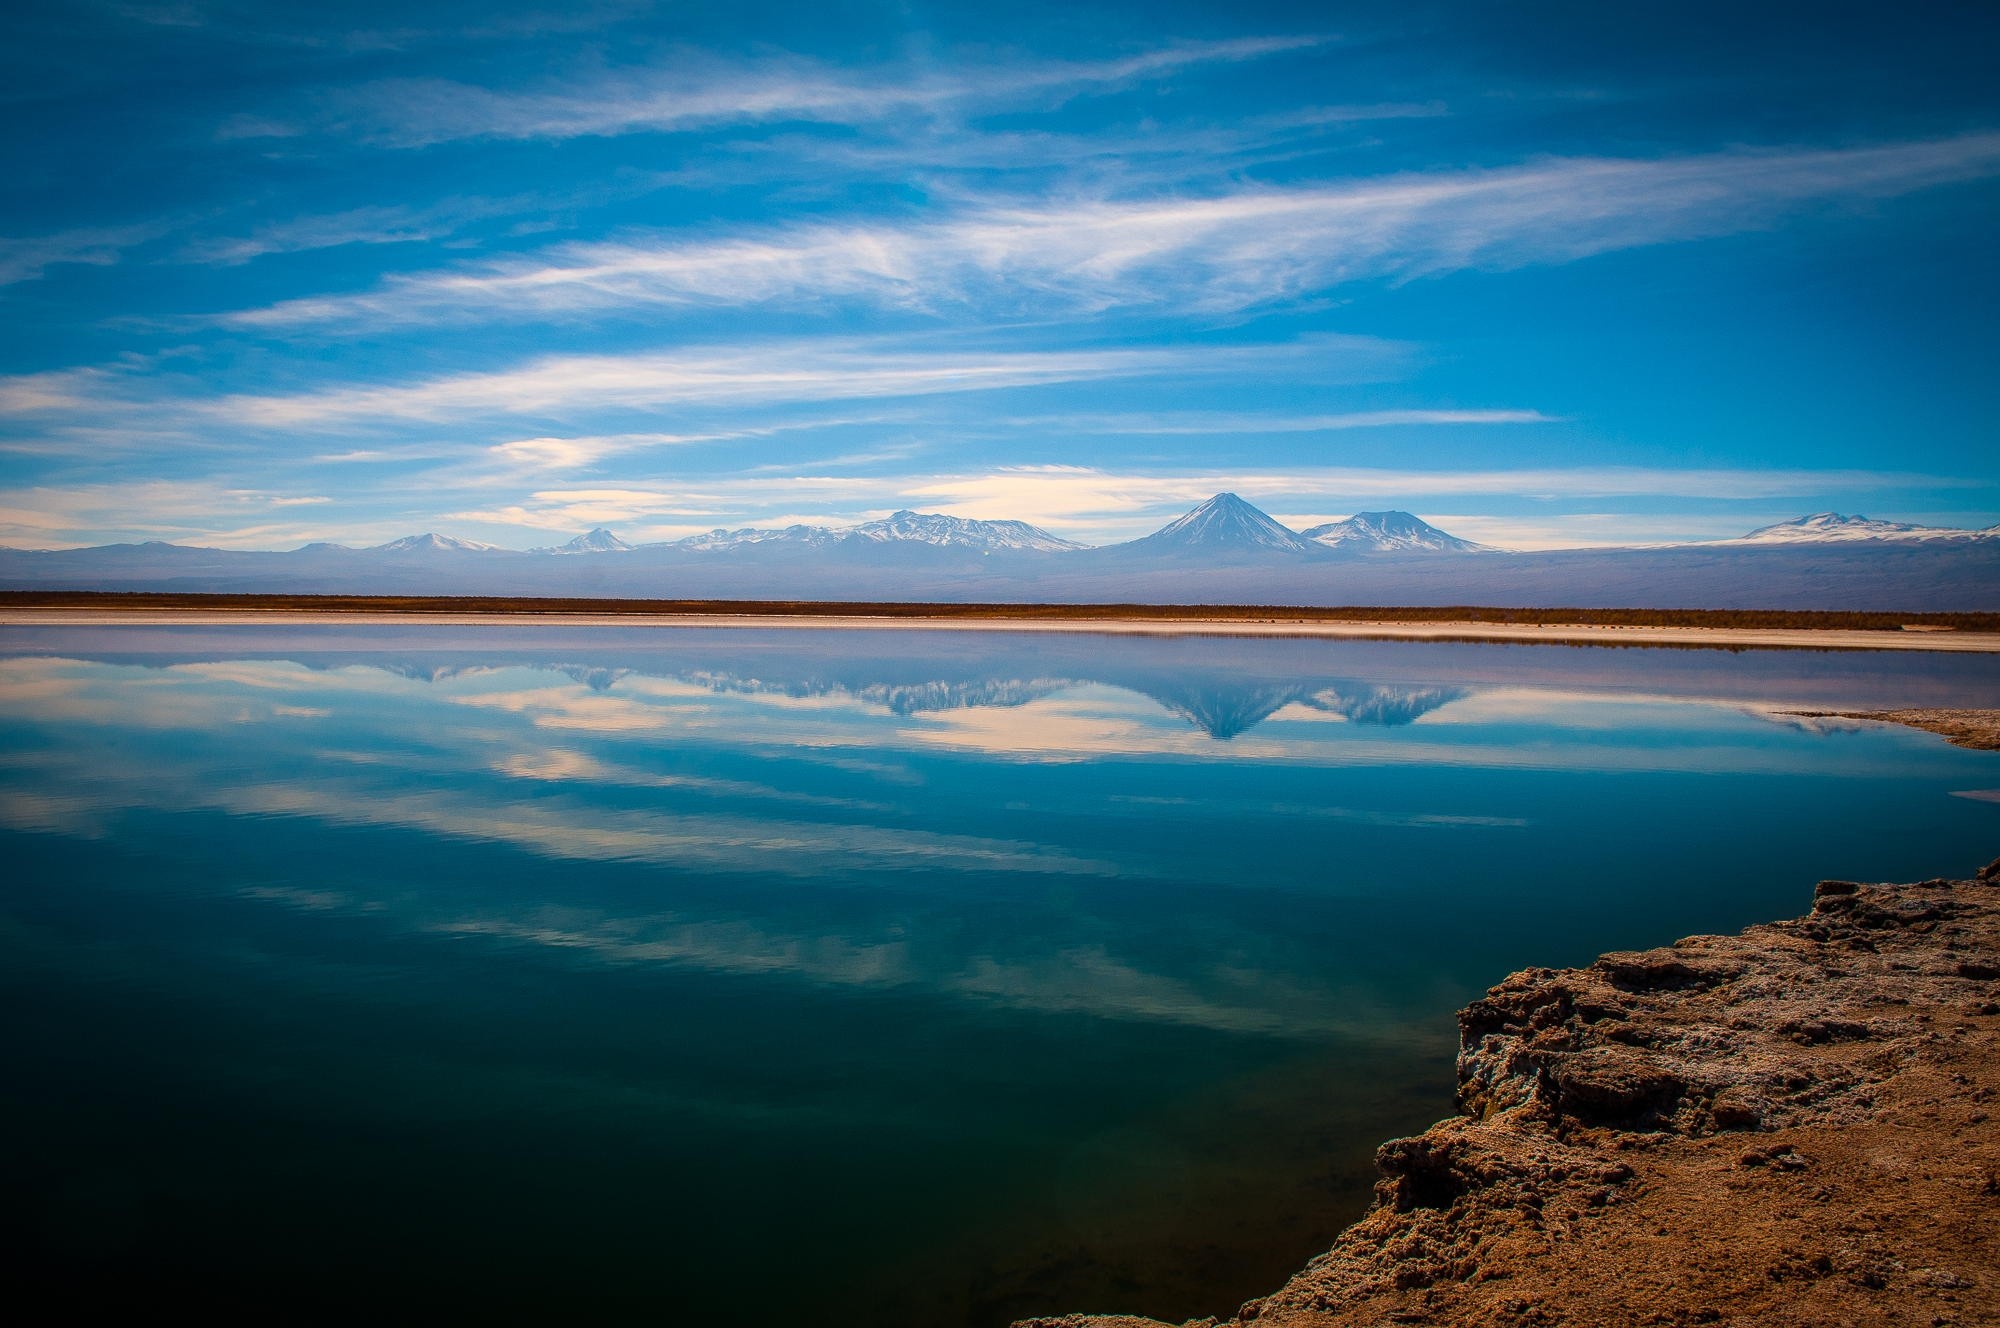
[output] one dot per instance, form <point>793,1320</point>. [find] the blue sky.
<point>1545,274</point>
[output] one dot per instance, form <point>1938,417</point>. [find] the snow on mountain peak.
<point>904,527</point>
<point>1837,528</point>
<point>431,542</point>
<point>719,538</point>
<point>962,532</point>
<point>599,540</point>
<point>1390,532</point>
<point>1224,523</point>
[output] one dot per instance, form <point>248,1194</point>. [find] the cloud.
<point>30,258</point>
<point>749,374</point>
<point>760,374</point>
<point>1202,423</point>
<point>53,390</point>
<point>517,457</point>
<point>366,225</point>
<point>698,91</point>
<point>46,516</point>
<point>1215,253</point>
<point>1162,154</point>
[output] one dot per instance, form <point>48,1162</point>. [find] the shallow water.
<point>913,978</point>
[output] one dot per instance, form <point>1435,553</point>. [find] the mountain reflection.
<point>1388,705</point>
<point>1220,706</point>
<point>610,804</point>
<point>899,698</point>
<point>1223,710</point>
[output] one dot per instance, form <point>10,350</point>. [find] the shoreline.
<point>1793,1126</point>
<point>1385,629</point>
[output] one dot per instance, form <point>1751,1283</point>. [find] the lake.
<point>886,977</point>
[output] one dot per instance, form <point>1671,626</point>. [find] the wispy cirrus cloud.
<point>49,516</point>
<point>390,224</point>
<point>517,456</point>
<point>767,374</point>
<point>30,257</point>
<point>1202,423</point>
<point>697,91</point>
<point>1212,253</point>
<point>51,390</point>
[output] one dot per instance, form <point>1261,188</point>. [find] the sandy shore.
<point>1791,1127</point>
<point>1724,638</point>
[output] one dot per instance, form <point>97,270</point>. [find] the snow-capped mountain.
<point>1390,532</point>
<point>1223,525</point>
<point>1834,528</point>
<point>433,543</point>
<point>905,527</point>
<point>962,532</point>
<point>1224,552</point>
<point>597,541</point>
<point>804,536</point>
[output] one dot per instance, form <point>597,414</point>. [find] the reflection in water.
<point>1219,706</point>
<point>907,698</point>
<point>545,969</point>
<point>1383,703</point>
<point>1224,711</point>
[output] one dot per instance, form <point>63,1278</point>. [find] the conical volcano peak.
<point>599,540</point>
<point>1224,524</point>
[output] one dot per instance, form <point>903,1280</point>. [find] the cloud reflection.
<point>819,820</point>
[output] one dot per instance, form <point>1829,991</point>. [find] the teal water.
<point>902,978</point>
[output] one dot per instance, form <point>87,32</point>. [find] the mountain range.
<point>1224,551</point>
<point>1833,528</point>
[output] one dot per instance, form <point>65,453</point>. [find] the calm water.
<point>916,978</point>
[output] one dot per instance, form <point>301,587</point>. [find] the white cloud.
<point>528,456</point>
<point>1211,253</point>
<point>761,374</point>
<point>209,510</point>
<point>367,225</point>
<point>54,390</point>
<point>699,91</point>
<point>1203,423</point>
<point>31,257</point>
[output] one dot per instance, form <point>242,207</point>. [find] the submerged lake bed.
<point>888,977</point>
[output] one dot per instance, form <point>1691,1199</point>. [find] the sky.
<point>1548,275</point>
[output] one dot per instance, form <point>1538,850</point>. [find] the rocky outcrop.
<point>1793,1126</point>
<point>1977,729</point>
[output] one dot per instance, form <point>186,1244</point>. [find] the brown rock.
<point>1597,1177</point>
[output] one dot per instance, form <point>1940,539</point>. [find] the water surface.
<point>909,978</point>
